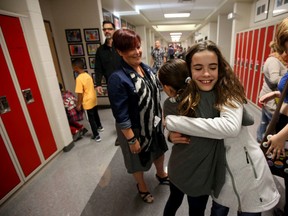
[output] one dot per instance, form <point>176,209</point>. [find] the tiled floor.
<point>91,180</point>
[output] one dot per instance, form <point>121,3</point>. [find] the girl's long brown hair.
<point>228,87</point>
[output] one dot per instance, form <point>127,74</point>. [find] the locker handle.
<point>4,105</point>
<point>27,94</point>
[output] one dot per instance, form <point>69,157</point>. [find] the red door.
<point>243,57</point>
<point>15,122</point>
<point>8,176</point>
<point>259,63</point>
<point>240,54</point>
<point>236,56</point>
<point>267,51</point>
<point>18,51</point>
<point>252,63</point>
<point>247,61</point>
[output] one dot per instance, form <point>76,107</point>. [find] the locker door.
<point>252,63</point>
<point>240,55</point>
<point>259,63</point>
<point>8,176</point>
<point>247,60</point>
<point>15,123</point>
<point>267,51</point>
<point>18,51</point>
<point>244,58</point>
<point>236,59</point>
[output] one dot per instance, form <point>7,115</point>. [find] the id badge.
<point>156,121</point>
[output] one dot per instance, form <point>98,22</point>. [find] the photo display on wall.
<point>92,35</point>
<point>73,35</point>
<point>92,48</point>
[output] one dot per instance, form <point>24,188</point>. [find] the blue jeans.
<point>219,210</point>
<point>265,120</point>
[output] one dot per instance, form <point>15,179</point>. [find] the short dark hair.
<point>126,39</point>
<point>108,22</point>
<point>78,62</point>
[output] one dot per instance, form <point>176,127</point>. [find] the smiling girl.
<point>249,187</point>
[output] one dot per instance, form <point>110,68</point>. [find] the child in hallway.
<point>73,115</point>
<point>196,169</point>
<point>252,190</point>
<point>87,98</point>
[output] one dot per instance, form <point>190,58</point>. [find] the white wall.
<point>78,15</point>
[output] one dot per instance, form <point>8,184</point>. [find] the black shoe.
<point>164,180</point>
<point>117,143</point>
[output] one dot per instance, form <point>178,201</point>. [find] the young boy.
<point>87,98</point>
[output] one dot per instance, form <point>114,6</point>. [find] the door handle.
<point>4,105</point>
<point>27,94</point>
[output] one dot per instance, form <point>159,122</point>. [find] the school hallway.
<point>91,180</point>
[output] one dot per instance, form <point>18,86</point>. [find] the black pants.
<point>94,120</point>
<point>197,205</point>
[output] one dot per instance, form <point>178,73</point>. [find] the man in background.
<point>107,59</point>
<point>158,56</point>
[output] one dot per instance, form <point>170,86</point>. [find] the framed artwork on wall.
<point>82,59</point>
<point>76,49</point>
<point>107,15</point>
<point>92,48</point>
<point>123,24</point>
<point>261,10</point>
<point>73,35</point>
<point>116,22</point>
<point>92,35</point>
<point>92,62</point>
<point>280,7</point>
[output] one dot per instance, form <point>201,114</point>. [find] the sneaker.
<point>100,129</point>
<point>97,138</point>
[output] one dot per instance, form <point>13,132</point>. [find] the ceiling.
<point>151,13</point>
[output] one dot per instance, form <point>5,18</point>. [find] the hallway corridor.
<point>91,180</point>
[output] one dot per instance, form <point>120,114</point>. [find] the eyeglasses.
<point>107,29</point>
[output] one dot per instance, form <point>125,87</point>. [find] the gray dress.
<point>197,168</point>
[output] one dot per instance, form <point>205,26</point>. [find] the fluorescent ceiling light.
<point>126,13</point>
<point>176,15</point>
<point>176,33</point>
<point>184,27</point>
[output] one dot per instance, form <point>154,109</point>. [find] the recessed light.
<point>176,15</point>
<point>175,33</point>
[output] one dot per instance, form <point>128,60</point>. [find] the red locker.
<point>259,63</point>
<point>267,51</point>
<point>243,57</point>
<point>247,60</point>
<point>8,176</point>
<point>240,53</point>
<point>18,51</point>
<point>252,63</point>
<point>15,123</point>
<point>236,60</point>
